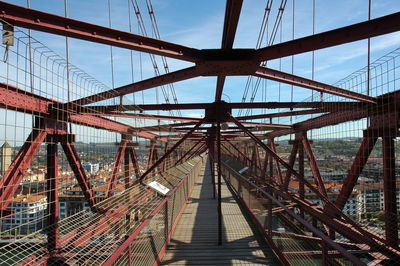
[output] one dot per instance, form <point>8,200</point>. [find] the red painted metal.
<point>53,235</point>
<point>117,253</point>
<point>14,98</point>
<point>127,166</point>
<point>150,158</point>
<point>313,164</point>
<point>301,172</point>
<point>112,182</point>
<point>219,176</point>
<point>176,145</point>
<point>171,77</point>
<point>148,116</point>
<point>82,236</point>
<point>37,20</point>
<point>232,14</point>
<point>306,224</point>
<point>186,154</point>
<point>281,114</point>
<point>134,162</point>
<point>13,177</point>
<point>292,159</point>
<point>217,62</point>
<point>291,79</point>
<point>77,168</point>
<point>108,124</point>
<point>211,154</point>
<point>389,190</point>
<point>286,165</point>
<point>325,106</point>
<point>277,166</point>
<point>357,166</point>
<point>346,114</point>
<point>355,32</point>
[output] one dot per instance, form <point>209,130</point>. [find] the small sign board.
<point>241,171</point>
<point>158,187</point>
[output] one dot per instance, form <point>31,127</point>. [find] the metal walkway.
<point>194,241</point>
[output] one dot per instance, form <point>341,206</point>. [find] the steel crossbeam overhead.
<point>281,114</point>
<point>385,104</point>
<point>171,77</point>
<point>291,79</point>
<point>20,100</point>
<point>41,21</point>
<point>352,33</point>
<point>232,14</point>
<point>323,106</point>
<point>267,177</point>
<point>30,18</point>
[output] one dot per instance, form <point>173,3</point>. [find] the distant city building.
<point>332,189</point>
<point>5,157</point>
<point>29,215</point>
<point>370,198</point>
<point>73,200</point>
<point>91,167</point>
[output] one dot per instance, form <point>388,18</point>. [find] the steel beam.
<point>135,163</point>
<point>357,166</point>
<point>188,151</point>
<point>146,116</point>
<point>167,153</point>
<point>355,32</point>
<point>219,180</point>
<point>281,114</point>
<point>112,182</point>
<point>170,77</point>
<point>53,234</point>
<point>18,168</point>
<point>16,99</point>
<point>60,25</point>
<point>292,159</point>
<point>232,14</point>
<point>390,192</point>
<point>13,98</point>
<point>313,164</point>
<point>306,224</point>
<point>291,79</point>
<point>77,168</point>
<point>325,106</point>
<point>276,162</point>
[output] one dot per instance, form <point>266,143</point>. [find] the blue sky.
<point>199,24</point>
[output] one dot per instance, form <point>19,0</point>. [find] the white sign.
<point>241,171</point>
<point>158,187</point>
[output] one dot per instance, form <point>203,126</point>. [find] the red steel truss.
<point>229,141</point>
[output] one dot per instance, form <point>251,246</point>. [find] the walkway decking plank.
<point>194,241</point>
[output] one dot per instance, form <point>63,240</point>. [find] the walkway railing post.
<point>219,183</point>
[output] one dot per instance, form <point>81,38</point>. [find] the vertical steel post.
<point>219,183</point>
<point>389,190</point>
<point>52,196</point>
<point>211,148</point>
<point>127,166</point>
<point>270,216</point>
<point>301,172</point>
<point>212,176</point>
<point>171,150</point>
<point>271,162</point>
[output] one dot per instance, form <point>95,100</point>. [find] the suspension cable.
<point>278,21</point>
